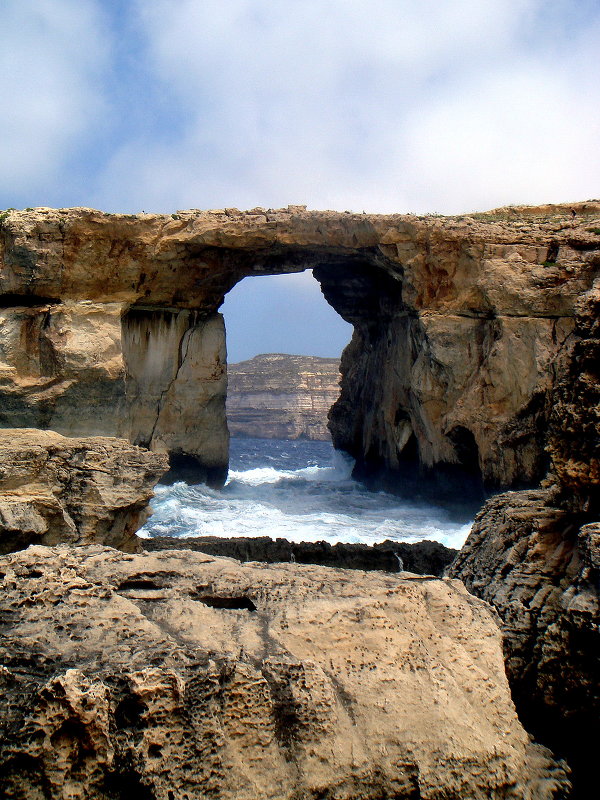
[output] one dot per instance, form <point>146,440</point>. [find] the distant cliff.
<point>276,396</point>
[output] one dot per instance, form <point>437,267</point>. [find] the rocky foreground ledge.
<point>78,490</point>
<point>422,558</point>
<point>178,675</point>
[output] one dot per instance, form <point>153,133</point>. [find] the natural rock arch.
<point>110,325</point>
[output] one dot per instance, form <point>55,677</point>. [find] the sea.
<point>301,491</point>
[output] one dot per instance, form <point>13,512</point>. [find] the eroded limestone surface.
<point>539,566</point>
<point>459,325</point>
<point>178,675</point>
<point>535,556</point>
<point>56,489</point>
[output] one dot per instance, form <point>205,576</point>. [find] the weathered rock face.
<point>277,396</point>
<point>180,675</point>
<point>54,489</point>
<point>459,323</point>
<point>175,386</point>
<point>62,367</point>
<point>574,441</point>
<point>536,557</point>
<point>157,378</point>
<point>540,568</point>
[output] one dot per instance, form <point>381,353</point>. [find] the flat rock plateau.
<point>175,674</point>
<point>278,396</point>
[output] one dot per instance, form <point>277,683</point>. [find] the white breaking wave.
<point>340,470</point>
<point>311,504</point>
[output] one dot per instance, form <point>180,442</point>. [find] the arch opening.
<point>176,356</point>
<point>285,483</point>
<point>284,343</point>
<point>284,313</point>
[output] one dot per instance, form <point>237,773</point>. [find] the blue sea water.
<point>300,491</point>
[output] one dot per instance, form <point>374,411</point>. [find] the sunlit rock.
<point>76,490</point>
<point>276,396</point>
<point>174,675</point>
<point>459,323</point>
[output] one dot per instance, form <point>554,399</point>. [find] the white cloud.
<point>52,53</point>
<point>385,106</point>
<point>526,134</point>
<point>378,105</point>
<point>381,105</point>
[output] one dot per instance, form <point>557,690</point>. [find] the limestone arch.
<point>443,310</point>
<point>175,367</point>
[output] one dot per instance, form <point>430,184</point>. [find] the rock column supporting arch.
<point>175,387</point>
<point>425,391</point>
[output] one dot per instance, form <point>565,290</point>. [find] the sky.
<point>445,106</point>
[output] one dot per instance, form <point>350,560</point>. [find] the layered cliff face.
<point>277,396</point>
<point>459,325</point>
<point>178,675</point>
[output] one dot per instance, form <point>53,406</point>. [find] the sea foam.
<point>300,491</point>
